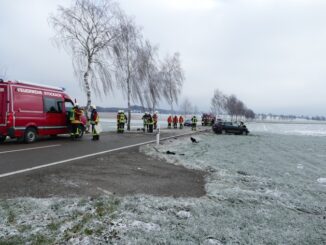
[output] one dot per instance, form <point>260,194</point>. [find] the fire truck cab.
<point>29,110</point>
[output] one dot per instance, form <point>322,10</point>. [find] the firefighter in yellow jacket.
<point>193,123</point>
<point>75,120</point>
<point>121,120</point>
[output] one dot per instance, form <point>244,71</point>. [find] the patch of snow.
<point>321,180</point>
<point>183,214</point>
<point>299,166</point>
<point>211,241</point>
<point>300,129</point>
<point>145,226</point>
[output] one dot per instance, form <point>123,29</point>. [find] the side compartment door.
<point>3,104</point>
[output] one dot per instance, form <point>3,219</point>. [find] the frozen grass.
<point>261,189</point>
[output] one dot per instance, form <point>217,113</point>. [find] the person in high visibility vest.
<point>94,120</point>
<point>181,122</point>
<point>193,123</point>
<point>169,121</point>
<point>75,120</point>
<point>150,123</point>
<point>121,120</point>
<point>145,120</point>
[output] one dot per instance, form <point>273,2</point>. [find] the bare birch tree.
<point>173,77</point>
<point>88,29</point>
<point>249,114</point>
<point>126,62</point>
<point>218,102</point>
<point>195,110</point>
<point>186,107</point>
<point>149,72</point>
<point>235,107</point>
<point>231,105</point>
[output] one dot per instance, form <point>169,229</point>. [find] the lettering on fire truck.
<point>33,91</point>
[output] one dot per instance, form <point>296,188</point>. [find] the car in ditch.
<point>223,127</point>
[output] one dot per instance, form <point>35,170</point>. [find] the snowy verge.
<point>257,193</point>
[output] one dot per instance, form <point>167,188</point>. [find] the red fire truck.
<point>29,110</point>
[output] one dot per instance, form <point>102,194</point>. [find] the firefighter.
<point>155,118</point>
<point>94,120</point>
<point>144,118</point>
<point>75,120</point>
<point>193,123</point>
<point>150,123</point>
<point>175,121</point>
<point>121,120</point>
<point>181,122</point>
<point>169,121</point>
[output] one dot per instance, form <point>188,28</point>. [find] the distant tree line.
<point>109,51</point>
<point>186,107</point>
<point>270,116</point>
<point>231,105</point>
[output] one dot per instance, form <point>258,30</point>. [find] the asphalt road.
<point>62,167</point>
<point>15,156</point>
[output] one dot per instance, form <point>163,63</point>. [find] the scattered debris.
<point>170,152</point>
<point>193,140</point>
<point>242,172</point>
<point>173,153</point>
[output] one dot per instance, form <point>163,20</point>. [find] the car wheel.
<point>30,135</point>
<point>2,139</point>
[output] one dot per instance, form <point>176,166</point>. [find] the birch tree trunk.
<point>129,109</point>
<point>87,87</point>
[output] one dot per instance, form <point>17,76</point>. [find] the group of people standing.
<point>75,121</point>
<point>175,120</point>
<point>150,122</point>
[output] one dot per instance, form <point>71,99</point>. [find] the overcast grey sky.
<point>270,53</point>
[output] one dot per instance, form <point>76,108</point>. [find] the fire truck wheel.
<point>81,130</point>
<point>30,135</point>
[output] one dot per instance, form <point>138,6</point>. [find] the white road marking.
<point>88,155</point>
<point>29,149</point>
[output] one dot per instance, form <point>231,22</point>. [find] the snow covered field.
<point>265,188</point>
